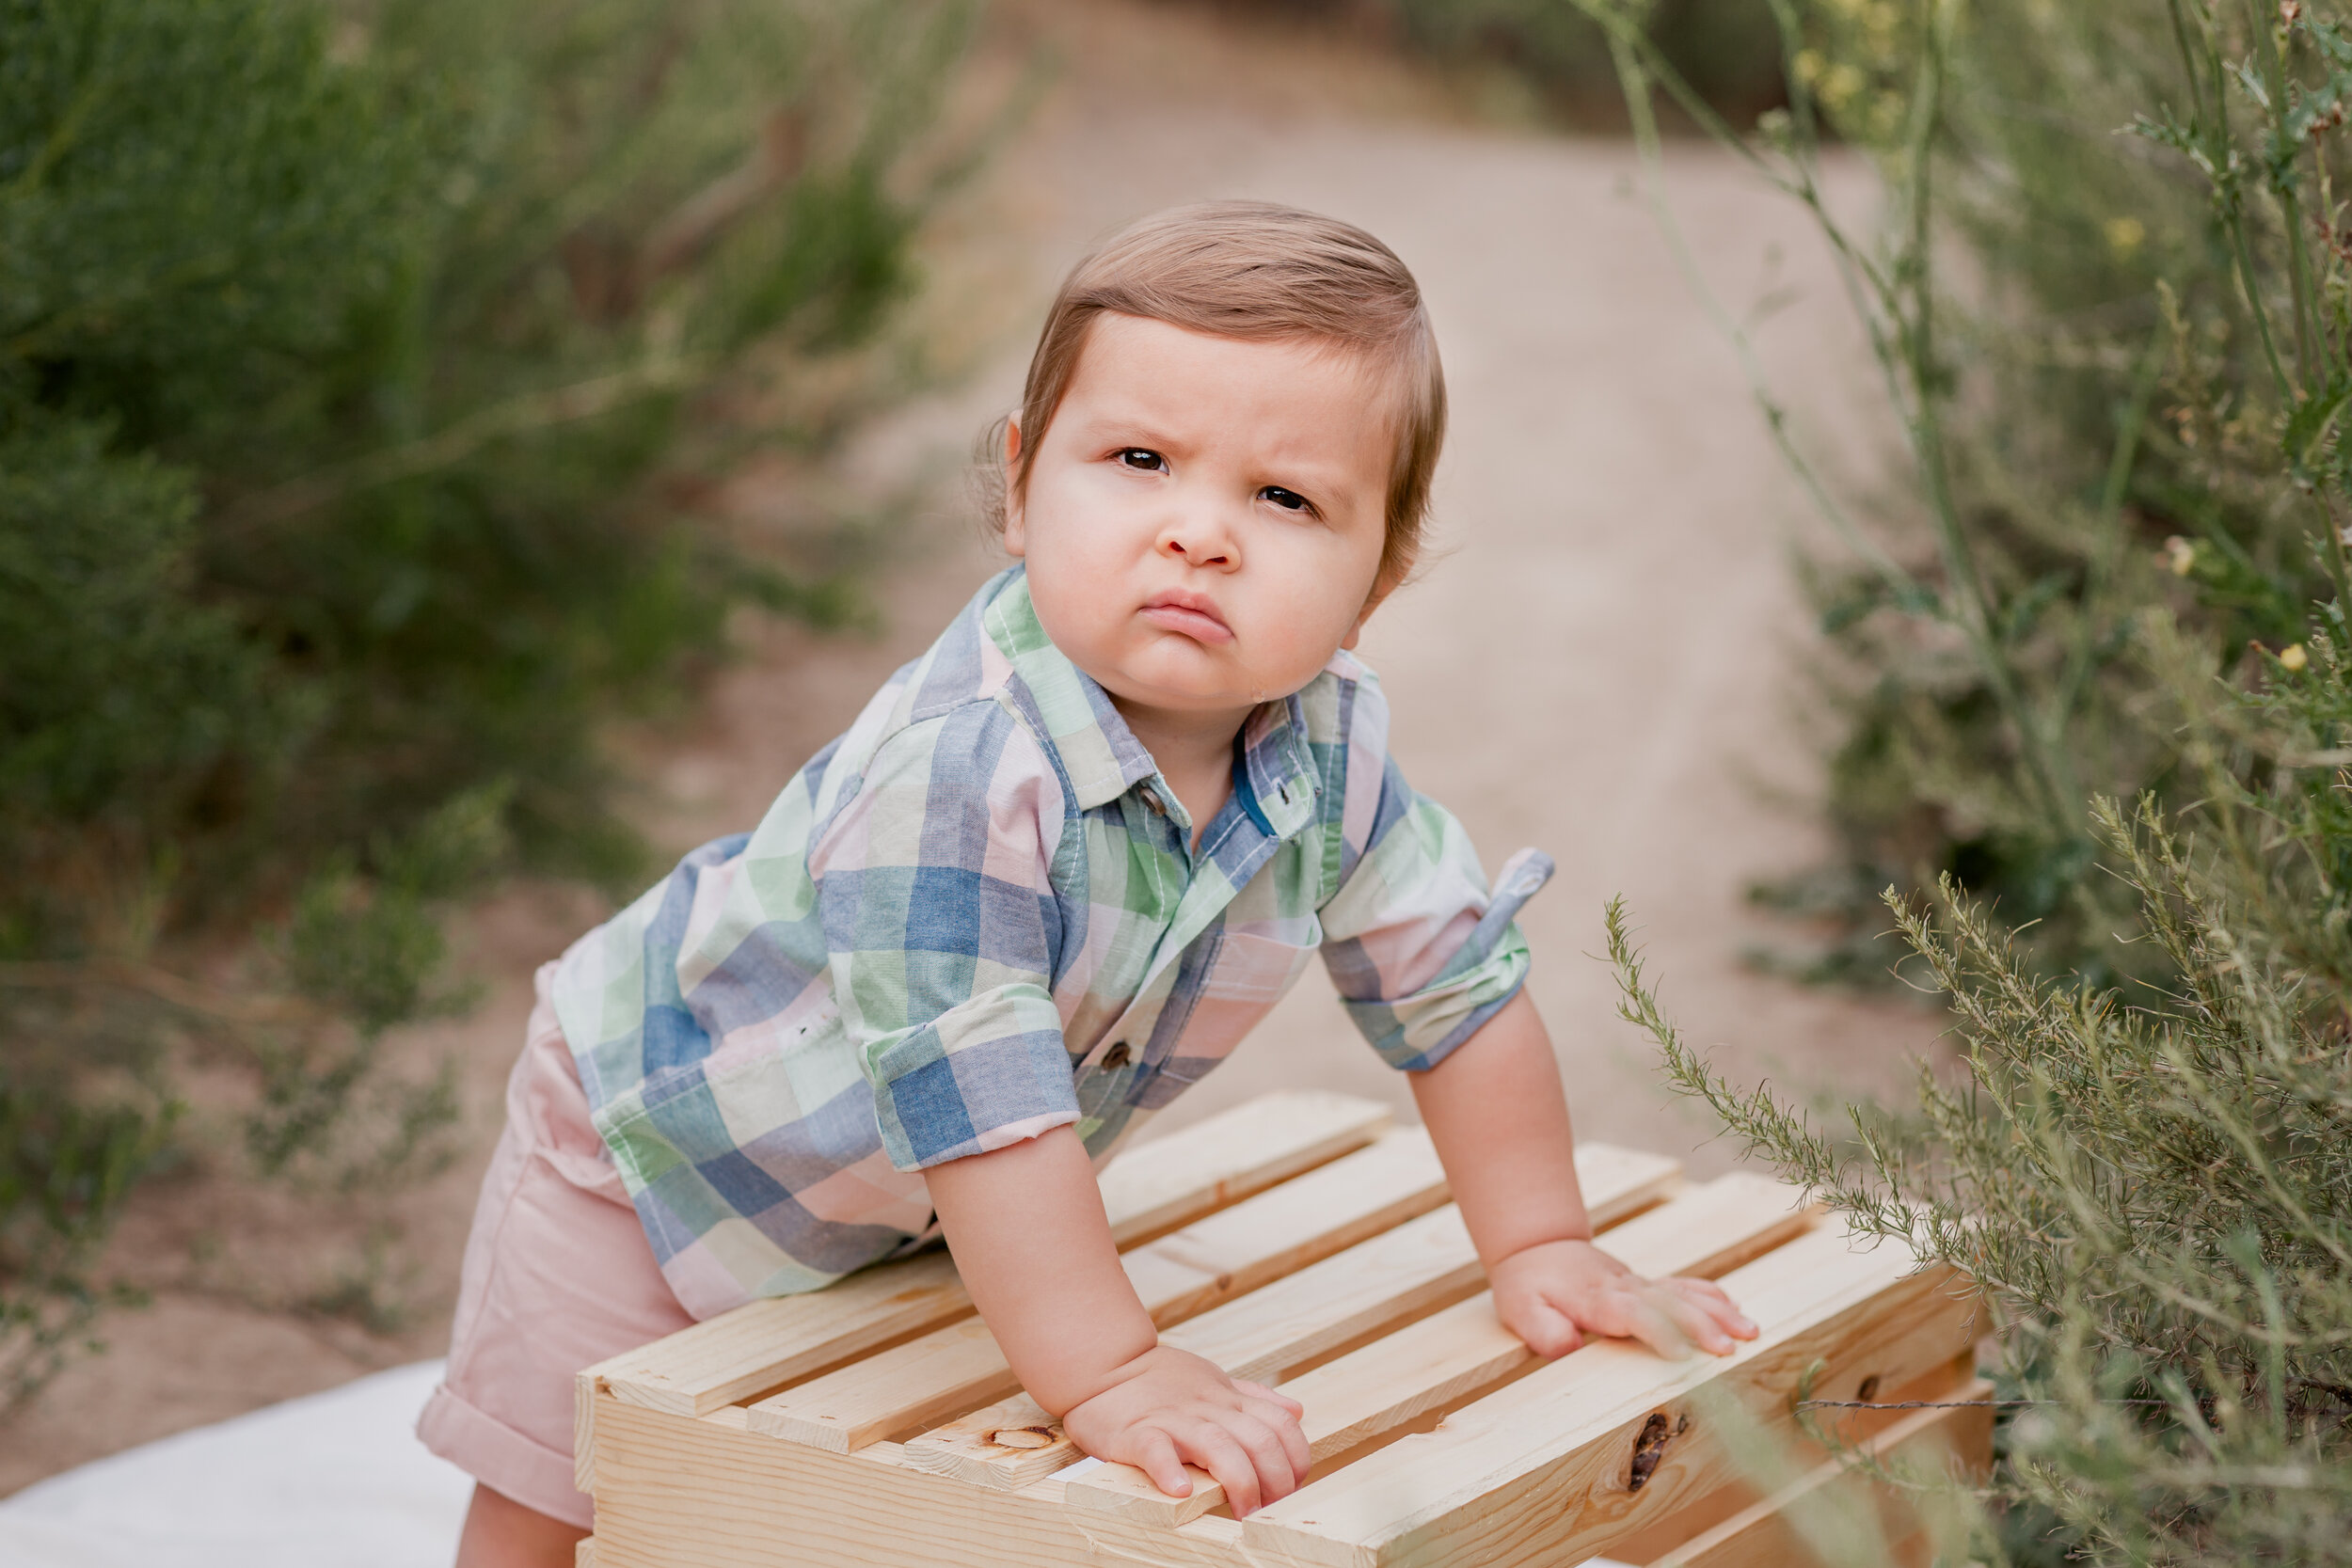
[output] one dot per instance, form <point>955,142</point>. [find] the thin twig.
<point>535,411</point>
<point>1949,1405</point>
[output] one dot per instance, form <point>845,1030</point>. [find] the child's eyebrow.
<point>1316,477</point>
<point>1132,426</point>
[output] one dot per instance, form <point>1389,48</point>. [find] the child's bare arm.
<point>1496,1111</point>
<point>1031,1239</point>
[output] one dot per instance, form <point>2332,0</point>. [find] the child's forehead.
<point>1141,367</point>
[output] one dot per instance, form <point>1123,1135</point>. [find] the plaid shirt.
<point>977,915</point>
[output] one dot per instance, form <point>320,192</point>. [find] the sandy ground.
<point>1602,662</point>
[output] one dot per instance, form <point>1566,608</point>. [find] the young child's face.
<point>1204,522</point>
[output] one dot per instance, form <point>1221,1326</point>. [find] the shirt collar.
<point>1276,766</point>
<point>1101,756</point>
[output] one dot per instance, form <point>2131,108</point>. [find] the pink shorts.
<point>557,1276</point>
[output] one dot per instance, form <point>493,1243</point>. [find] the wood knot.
<point>1024,1437</point>
<point>1870,1389</point>
<point>1649,1447</point>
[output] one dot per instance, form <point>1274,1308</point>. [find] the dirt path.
<point>1601,664</point>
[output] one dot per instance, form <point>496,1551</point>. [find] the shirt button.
<point>1116,1058</point>
<point>1152,799</point>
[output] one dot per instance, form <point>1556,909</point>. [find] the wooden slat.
<point>702,1494</point>
<point>1760,1470</point>
<point>584,1553</point>
<point>679,1492</point>
<point>584,1391</point>
<point>1381,1386</point>
<point>1216,1162</point>
<point>1394,1276</point>
<point>1538,1471</point>
<point>1305,1219</point>
<point>1190,1173</point>
<point>953,1369</point>
<point>763,1343</point>
<point>1768,1533</point>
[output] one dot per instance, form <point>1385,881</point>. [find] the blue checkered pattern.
<point>978,915</point>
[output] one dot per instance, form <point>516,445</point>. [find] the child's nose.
<point>1201,542</point>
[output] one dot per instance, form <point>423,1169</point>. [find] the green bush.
<point>359,367</point>
<point>2115,571</point>
<point>2097,427</point>
<point>1728,49</point>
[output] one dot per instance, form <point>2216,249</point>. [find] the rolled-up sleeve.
<point>1421,951</point>
<point>943,934</point>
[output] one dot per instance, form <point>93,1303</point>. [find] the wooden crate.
<point>1299,1238</point>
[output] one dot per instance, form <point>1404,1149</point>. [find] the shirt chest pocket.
<point>1230,978</point>
<point>1260,965</point>
<point>1246,971</point>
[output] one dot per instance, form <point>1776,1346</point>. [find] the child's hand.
<point>1554,1294</point>
<point>1171,1406</point>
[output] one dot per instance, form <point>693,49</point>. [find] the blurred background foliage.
<point>365,368</point>
<point>2097,405</point>
<point>2088,649</point>
<point>1728,51</point>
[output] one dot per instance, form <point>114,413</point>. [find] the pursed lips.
<point>1194,615</point>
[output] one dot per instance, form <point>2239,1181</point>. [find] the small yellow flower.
<point>2292,656</point>
<point>2180,555</point>
<point>2125,236</point>
<point>1839,86</point>
<point>1807,65</point>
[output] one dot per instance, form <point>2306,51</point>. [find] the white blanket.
<point>334,1480</point>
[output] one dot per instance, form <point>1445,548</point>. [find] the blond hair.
<point>1257,270</point>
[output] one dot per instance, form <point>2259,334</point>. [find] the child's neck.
<point>1194,753</point>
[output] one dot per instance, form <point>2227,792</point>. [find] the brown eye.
<point>1289,500</point>
<point>1142,457</point>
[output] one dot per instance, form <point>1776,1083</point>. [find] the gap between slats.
<point>1542,1463</point>
<point>1148,1191</point>
<point>956,1369</point>
<point>1416,1373</point>
<point>1296,1322</point>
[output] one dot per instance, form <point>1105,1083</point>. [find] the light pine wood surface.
<point>1311,1244</point>
<point>1376,1284</point>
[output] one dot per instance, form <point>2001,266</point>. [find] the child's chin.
<point>1177,695</point>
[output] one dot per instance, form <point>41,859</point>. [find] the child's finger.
<point>1264,1391</point>
<point>1646,1318</point>
<point>1709,1298</point>
<point>1695,1323</point>
<point>1284,1425</point>
<point>1218,1452</point>
<point>1277,1476</point>
<point>1155,1455</point>
<point>1697,1290</point>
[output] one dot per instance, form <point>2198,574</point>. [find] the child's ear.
<point>1390,579</point>
<point>1016,531</point>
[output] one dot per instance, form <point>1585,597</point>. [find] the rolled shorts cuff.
<point>506,1461</point>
